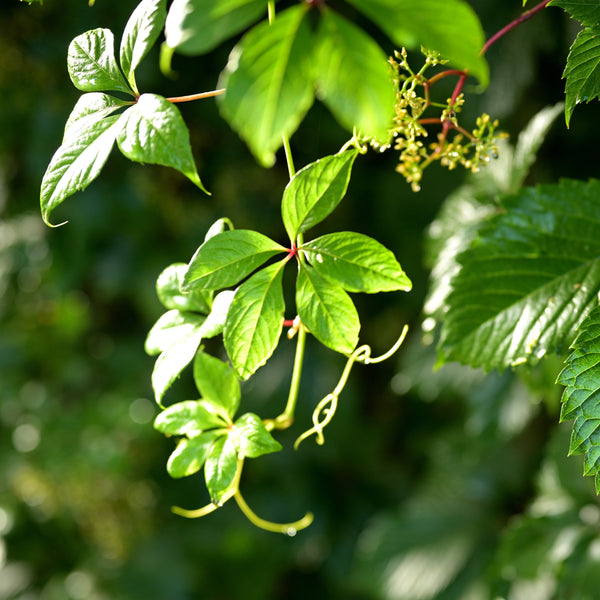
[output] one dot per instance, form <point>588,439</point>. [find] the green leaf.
<point>215,322</point>
<point>190,454</point>
<point>327,311</point>
<point>356,262</point>
<point>220,468</point>
<point>78,161</point>
<point>89,109</point>
<point>226,258</point>
<point>582,72</point>
<point>315,191</point>
<point>255,320</point>
<point>190,418</point>
<point>154,132</point>
<point>526,282</point>
<point>354,78</point>
<point>196,26</point>
<point>449,27</point>
<point>140,34</point>
<point>217,384</point>
<point>252,438</point>
<point>586,11</point>
<point>92,64</point>
<point>177,336</point>
<point>269,82</point>
<point>581,397</point>
<point>170,327</point>
<point>168,289</point>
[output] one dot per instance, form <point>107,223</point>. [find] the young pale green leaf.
<point>197,26</point>
<point>581,397</point>
<point>154,132</point>
<point>269,82</point>
<point>190,454</point>
<point>252,438</point>
<point>170,327</point>
<point>354,78</point>
<point>255,320</point>
<point>90,108</point>
<point>586,11</point>
<point>220,468</point>
<point>449,27</point>
<point>140,34</point>
<point>356,262</point>
<point>217,384</point>
<point>582,72</point>
<point>315,191</point>
<point>92,64</point>
<point>184,338</point>
<point>225,259</point>
<point>168,290</point>
<point>327,311</point>
<point>526,282</point>
<point>190,418</point>
<point>215,322</point>
<point>78,161</point>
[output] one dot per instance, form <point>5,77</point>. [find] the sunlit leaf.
<point>154,132</point>
<point>226,258</point>
<point>90,108</point>
<point>190,418</point>
<point>190,454</point>
<point>327,311</point>
<point>78,161</point>
<point>450,27</point>
<point>315,191</point>
<point>252,438</point>
<point>586,11</point>
<point>197,26</point>
<point>170,327</point>
<point>526,282</point>
<point>92,64</point>
<point>356,262</point>
<point>220,468</point>
<point>582,72</point>
<point>217,384</point>
<point>215,321</point>
<point>168,289</point>
<point>269,82</point>
<point>141,32</point>
<point>354,78</point>
<point>255,320</point>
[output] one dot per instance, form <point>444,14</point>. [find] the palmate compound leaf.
<point>581,397</point>
<point>582,72</point>
<point>255,320</point>
<point>315,191</point>
<point>449,27</point>
<point>269,82</point>
<point>196,26</point>
<point>527,281</point>
<point>356,262</point>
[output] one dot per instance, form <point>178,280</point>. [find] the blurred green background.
<point>430,485</point>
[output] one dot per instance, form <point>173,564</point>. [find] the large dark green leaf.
<point>154,132</point>
<point>220,468</point>
<point>79,160</point>
<point>581,398</point>
<point>582,72</point>
<point>197,26</point>
<point>269,82</point>
<point>526,283</point>
<point>354,78</point>
<point>140,34</point>
<point>226,258</point>
<point>327,311</point>
<point>315,191</point>
<point>356,262</point>
<point>586,11</point>
<point>255,320</point>
<point>450,27</point>
<point>92,64</point>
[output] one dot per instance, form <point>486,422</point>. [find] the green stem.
<point>288,155</point>
<point>271,11</point>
